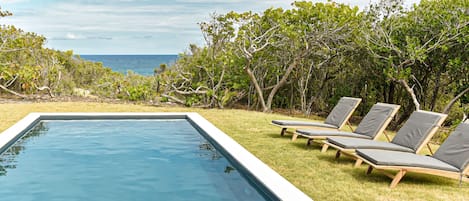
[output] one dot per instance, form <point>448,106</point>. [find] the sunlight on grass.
<point>318,175</point>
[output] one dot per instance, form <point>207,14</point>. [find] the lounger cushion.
<point>341,111</point>
<point>302,123</point>
<point>455,149</point>
<point>396,158</point>
<point>354,143</point>
<point>375,119</point>
<point>312,133</point>
<point>416,129</point>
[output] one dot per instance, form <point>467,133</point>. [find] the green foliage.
<point>305,58</point>
<point>425,47</point>
<point>136,87</point>
<point>203,77</point>
<point>26,67</point>
<point>4,13</point>
<point>332,50</point>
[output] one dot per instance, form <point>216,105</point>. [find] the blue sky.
<point>128,26</point>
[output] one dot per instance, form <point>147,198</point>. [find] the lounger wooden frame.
<point>351,152</point>
<point>381,130</point>
<point>285,131</point>
<point>346,122</point>
<point>402,170</point>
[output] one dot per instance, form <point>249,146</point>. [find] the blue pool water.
<point>141,64</point>
<point>119,160</point>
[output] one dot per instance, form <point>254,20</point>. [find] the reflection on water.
<point>120,160</point>
<point>209,151</point>
<point>8,157</point>
<point>229,169</point>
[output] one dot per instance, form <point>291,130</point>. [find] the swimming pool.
<point>131,156</point>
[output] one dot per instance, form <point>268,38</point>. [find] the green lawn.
<point>318,175</point>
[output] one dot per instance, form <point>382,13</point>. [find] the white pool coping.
<point>271,180</point>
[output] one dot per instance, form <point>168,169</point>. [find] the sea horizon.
<point>143,64</point>
<point>124,54</point>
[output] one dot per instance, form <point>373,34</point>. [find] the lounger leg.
<point>337,154</point>
<point>460,180</point>
<point>294,136</point>
<point>370,169</point>
<point>430,149</point>
<point>358,162</point>
<point>397,178</point>
<point>282,133</point>
<point>324,148</point>
<point>349,125</point>
<point>309,142</point>
<point>387,136</point>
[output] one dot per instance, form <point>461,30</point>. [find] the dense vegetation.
<point>304,58</point>
<point>29,70</point>
<point>309,56</point>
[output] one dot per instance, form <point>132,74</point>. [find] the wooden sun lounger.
<point>417,119</point>
<point>374,123</point>
<point>336,119</point>
<point>450,160</point>
<point>402,170</point>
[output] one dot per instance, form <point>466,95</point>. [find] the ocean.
<point>141,64</point>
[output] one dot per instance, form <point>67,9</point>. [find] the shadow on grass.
<point>301,144</point>
<point>330,157</point>
<point>278,136</point>
<point>426,180</point>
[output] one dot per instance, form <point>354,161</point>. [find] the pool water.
<point>119,160</point>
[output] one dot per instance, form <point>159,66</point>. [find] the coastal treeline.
<point>29,70</point>
<point>307,57</point>
<point>303,58</point>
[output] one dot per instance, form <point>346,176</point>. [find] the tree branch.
<point>411,93</point>
<point>13,92</point>
<point>177,100</point>
<point>453,101</point>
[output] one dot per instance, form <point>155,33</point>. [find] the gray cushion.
<point>396,158</point>
<point>375,119</point>
<point>313,133</point>
<point>455,149</point>
<point>302,123</point>
<point>341,111</point>
<point>355,143</point>
<point>416,129</point>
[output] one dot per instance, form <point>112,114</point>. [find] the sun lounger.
<point>450,160</point>
<point>374,123</point>
<point>336,119</point>
<point>412,137</point>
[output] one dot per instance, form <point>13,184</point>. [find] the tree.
<point>417,46</point>
<point>206,76</point>
<point>4,13</point>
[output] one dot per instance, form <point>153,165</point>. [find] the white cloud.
<point>72,36</point>
<point>12,1</point>
<point>127,26</point>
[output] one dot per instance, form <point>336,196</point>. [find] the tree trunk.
<point>177,100</point>
<point>313,98</point>
<point>13,92</point>
<point>435,93</point>
<point>453,101</point>
<point>280,84</point>
<point>392,90</point>
<point>291,106</point>
<point>49,90</point>
<point>404,116</point>
<point>411,93</point>
<point>253,79</point>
